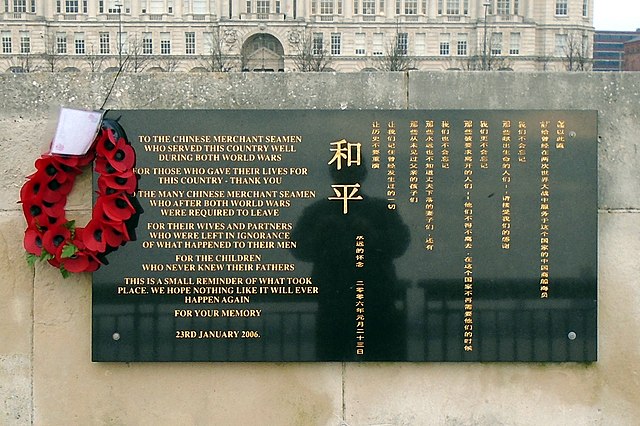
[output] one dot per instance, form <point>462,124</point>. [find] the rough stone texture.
<point>16,295</point>
<point>47,378</point>
<point>614,95</point>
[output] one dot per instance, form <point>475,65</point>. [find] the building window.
<point>410,7</point>
<point>504,7</point>
<point>445,45</point>
<point>516,7</point>
<point>165,43</point>
<point>200,7</point>
<point>326,7</point>
<point>585,8</point>
<point>336,43</point>
<point>462,45</point>
<point>113,6</point>
<point>317,44</point>
<point>561,44</point>
<point>61,43</point>
<point>79,43</point>
<point>85,6</point>
<point>514,44</point>
<point>360,44</point>
<point>190,43</point>
<point>104,43</point>
<point>368,7</point>
<point>71,6</point>
<point>420,44</point>
<point>25,42</point>
<point>263,8</point>
<point>156,6</point>
<point>453,7</point>
<point>562,8</point>
<point>124,42</point>
<point>19,6</point>
<point>496,44</point>
<point>147,44</point>
<point>378,39</point>
<point>6,42</point>
<point>402,43</point>
<point>33,6</point>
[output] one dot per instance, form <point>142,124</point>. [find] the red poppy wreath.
<point>50,236</point>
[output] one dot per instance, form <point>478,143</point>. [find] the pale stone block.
<point>16,294</point>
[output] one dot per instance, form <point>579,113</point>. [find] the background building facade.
<point>632,55</point>
<point>609,49</point>
<point>290,35</point>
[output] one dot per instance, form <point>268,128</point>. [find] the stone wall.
<point>46,373</point>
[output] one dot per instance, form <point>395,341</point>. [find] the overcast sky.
<point>616,15</point>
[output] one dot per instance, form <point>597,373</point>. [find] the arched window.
<point>262,52</point>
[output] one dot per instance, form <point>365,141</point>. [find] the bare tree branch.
<point>311,54</point>
<point>136,61</point>
<point>396,56</point>
<point>217,57</point>
<point>51,56</point>
<point>576,52</point>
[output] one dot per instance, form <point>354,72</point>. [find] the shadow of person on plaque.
<point>326,236</point>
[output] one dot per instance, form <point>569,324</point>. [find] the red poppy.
<point>116,233</point>
<point>126,181</point>
<point>81,262</point>
<point>54,191</point>
<point>55,210</point>
<point>31,190</point>
<point>103,167</point>
<point>55,238</point>
<point>122,156</point>
<point>33,241</point>
<point>93,236</point>
<point>116,207</point>
<point>52,169</point>
<point>105,143</point>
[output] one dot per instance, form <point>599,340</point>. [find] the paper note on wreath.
<point>76,131</point>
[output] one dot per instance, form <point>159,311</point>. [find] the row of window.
<point>20,6</point>
<point>264,7</point>
<point>448,45</point>
<point>406,7</point>
<point>107,6</point>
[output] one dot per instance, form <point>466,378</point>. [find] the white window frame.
<point>7,43</point>
<point>562,7</point>
<point>104,42</point>
<point>336,44</point>
<point>79,46</point>
<point>61,43</point>
<point>190,43</point>
<point>165,43</point>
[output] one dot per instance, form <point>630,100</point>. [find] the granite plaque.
<point>397,235</point>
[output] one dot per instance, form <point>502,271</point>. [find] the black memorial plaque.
<point>356,236</point>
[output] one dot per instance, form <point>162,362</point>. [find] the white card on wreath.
<point>76,131</point>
